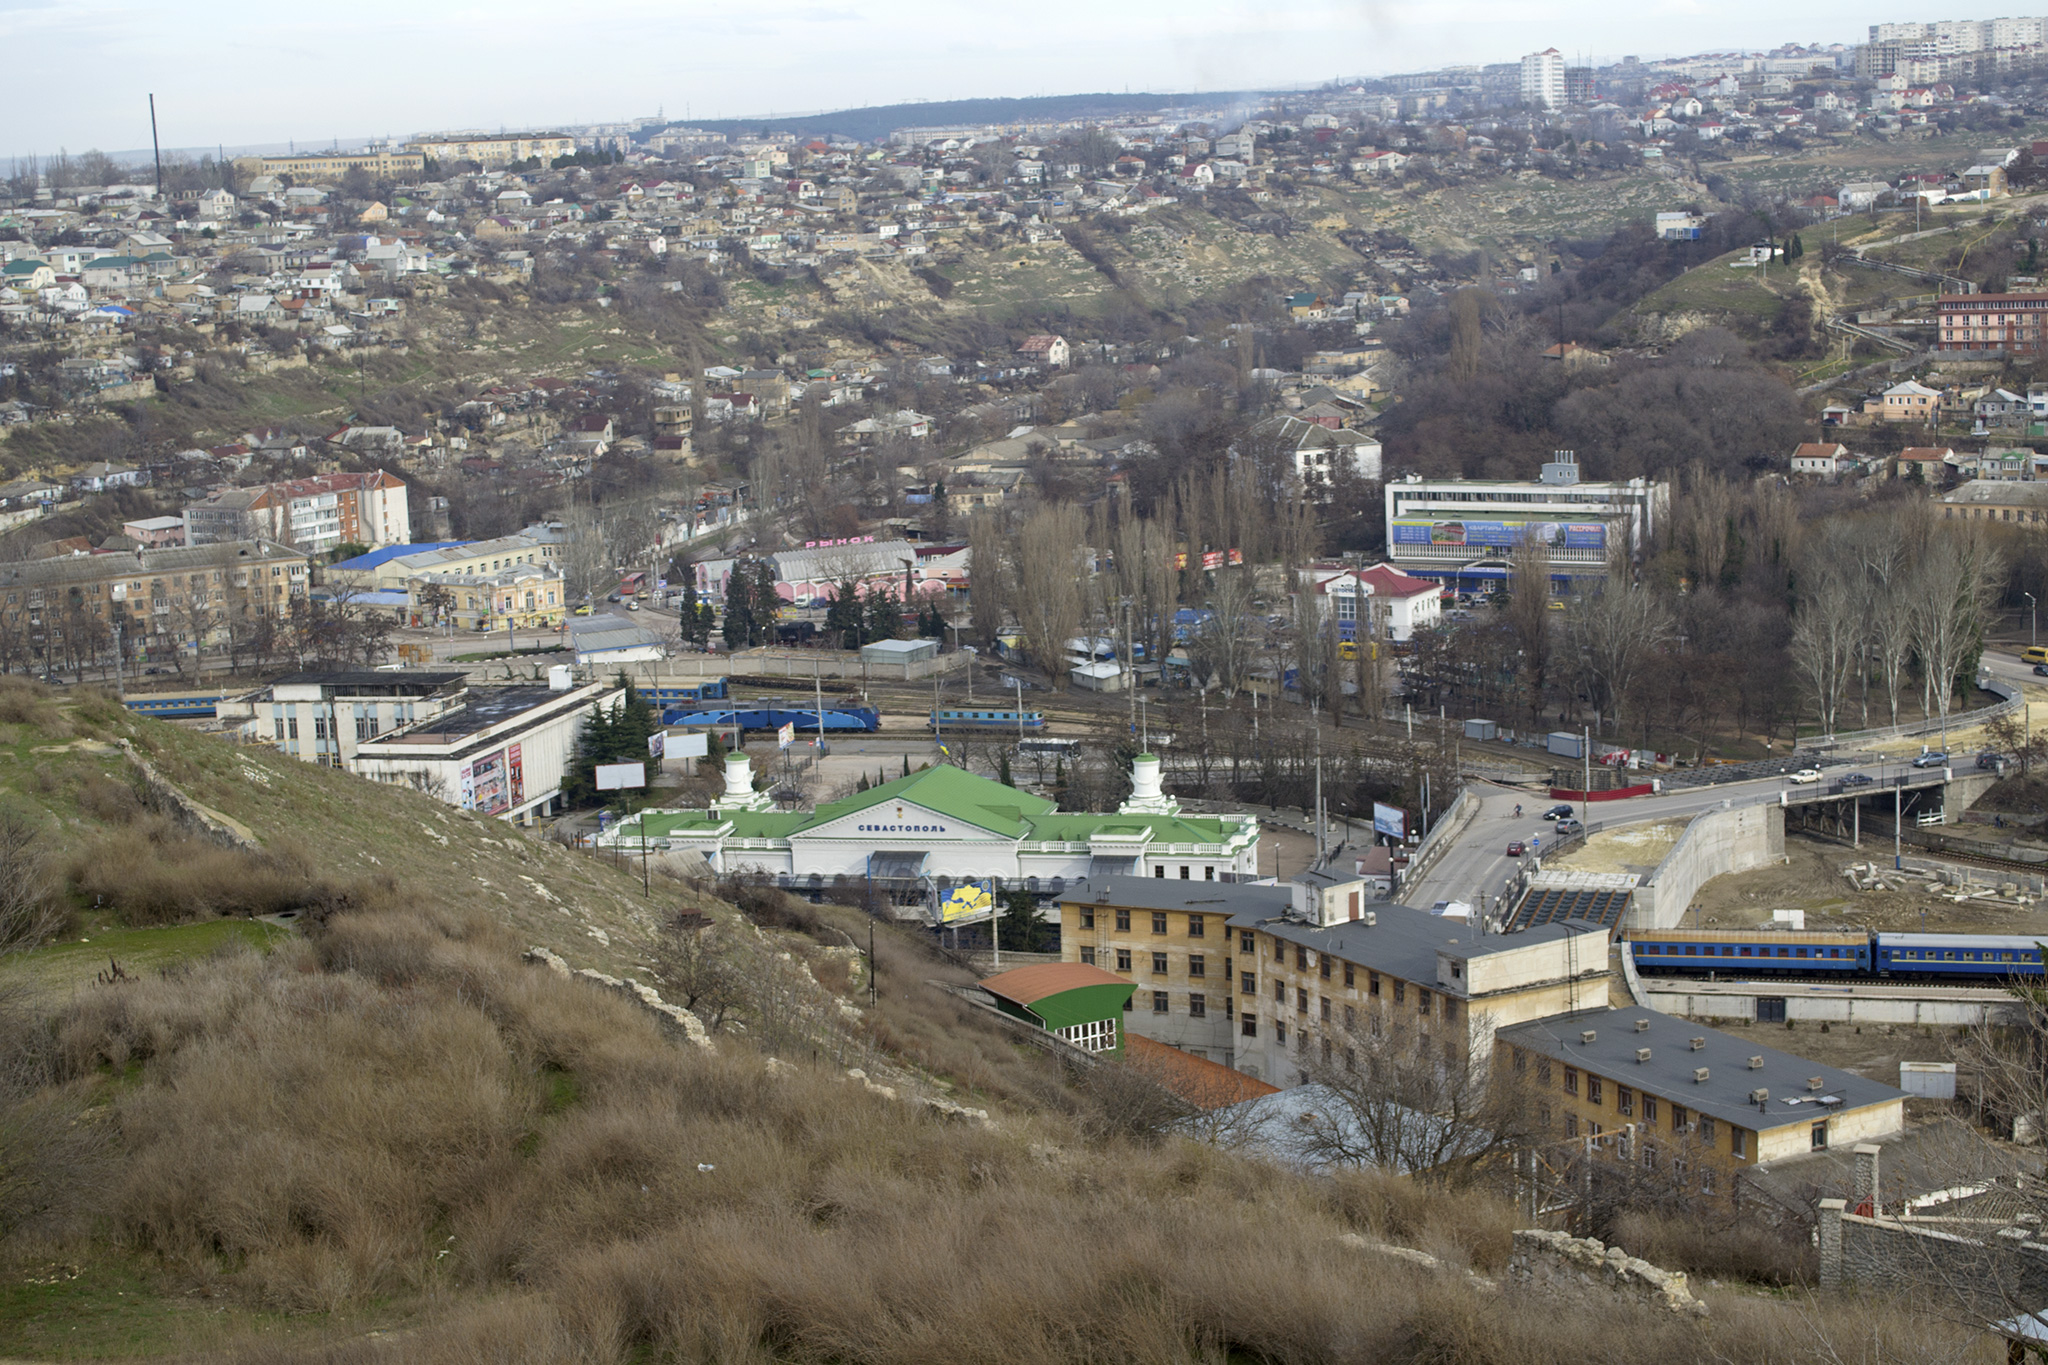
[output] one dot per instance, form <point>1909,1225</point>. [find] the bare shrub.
<point>151,872</point>
<point>1469,1225</point>
<point>23,702</point>
<point>30,911</point>
<point>1731,1244</point>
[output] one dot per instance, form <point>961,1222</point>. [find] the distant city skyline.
<point>234,72</point>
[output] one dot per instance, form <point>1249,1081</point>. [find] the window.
<point>1594,1090</point>
<point>1088,956</point>
<point>1571,1080</point>
<point>1350,1018</point>
<point>1280,992</point>
<point>1158,921</point>
<point>1244,942</point>
<point>1097,1035</point>
<point>1649,1109</point>
<point>1400,991</point>
<point>1123,959</point>
<point>1280,1032</point>
<point>1248,1025</point>
<point>1087,917</point>
<point>1677,1118</point>
<point>1247,983</point>
<point>1350,973</point>
<point>1323,965</point>
<point>279,722</point>
<point>1624,1101</point>
<point>292,727</point>
<point>1183,871</point>
<point>1820,1136</point>
<point>1738,1141</point>
<point>1571,1125</point>
<point>1326,1008</point>
<point>1123,920</point>
<point>1300,958</point>
<point>1159,964</point>
<point>1209,874</point>
<point>1159,871</point>
<point>1196,927</point>
<point>1450,1010</point>
<point>1197,965</point>
<point>1372,983</point>
<point>1301,999</point>
<point>1198,1006</point>
<point>1707,1129</point>
<point>1543,1071</point>
<point>1159,1003</point>
<point>1422,1002</point>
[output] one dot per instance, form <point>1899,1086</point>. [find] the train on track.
<point>1847,955</point>
<point>176,706</point>
<point>685,694</point>
<point>835,720</point>
<point>985,720</point>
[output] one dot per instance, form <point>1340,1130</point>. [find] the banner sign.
<point>1390,820</point>
<point>490,785</point>
<point>1237,556</point>
<point>1502,535</point>
<point>786,736</point>
<point>515,758</point>
<point>1212,559</point>
<point>613,777</point>
<point>657,744</point>
<point>965,901</point>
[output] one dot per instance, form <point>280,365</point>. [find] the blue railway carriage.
<point>1957,955</point>
<point>1750,952</point>
<point>175,706</point>
<point>984,720</point>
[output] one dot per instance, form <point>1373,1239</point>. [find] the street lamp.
<point>2033,619</point>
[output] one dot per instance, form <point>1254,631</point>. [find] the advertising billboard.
<point>1389,820</point>
<point>613,777</point>
<point>965,902</point>
<point>1500,535</point>
<point>490,785</point>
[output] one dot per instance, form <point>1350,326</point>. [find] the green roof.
<point>979,801</point>
<point>1173,829</point>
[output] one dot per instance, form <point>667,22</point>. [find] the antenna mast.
<point>156,147</point>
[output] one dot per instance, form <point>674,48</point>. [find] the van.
<point>2034,654</point>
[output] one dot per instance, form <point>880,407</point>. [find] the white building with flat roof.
<point>1461,532</point>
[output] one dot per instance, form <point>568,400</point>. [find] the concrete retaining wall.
<point>1716,842</point>
<point>1835,1009</point>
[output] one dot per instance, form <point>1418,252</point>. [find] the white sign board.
<point>689,746</point>
<point>613,777</point>
<point>786,736</point>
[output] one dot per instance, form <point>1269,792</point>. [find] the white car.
<point>1805,775</point>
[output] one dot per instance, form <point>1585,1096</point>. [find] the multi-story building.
<point>1686,1093</point>
<point>492,153</point>
<point>314,514</point>
<point>2013,502</point>
<point>503,752</point>
<point>1462,531</point>
<point>304,166</point>
<point>159,601</point>
<point>1267,978</point>
<point>323,717</point>
<point>1906,401</point>
<point>2010,323</point>
<point>517,597</point>
<point>393,567</point>
<point>1543,79</point>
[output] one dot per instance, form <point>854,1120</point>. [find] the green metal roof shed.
<point>1081,1003</point>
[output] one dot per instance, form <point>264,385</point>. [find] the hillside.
<point>378,1134</point>
<point>872,123</point>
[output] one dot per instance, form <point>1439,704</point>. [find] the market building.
<point>922,835</point>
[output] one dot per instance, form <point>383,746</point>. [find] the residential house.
<point>101,475</point>
<point>314,514</point>
<point>1908,401</point>
<point>1824,460</point>
<point>2012,323</point>
<point>2014,502</point>
<point>156,533</point>
<point>1046,350</point>
<point>1933,465</point>
<point>1322,453</point>
<point>1379,602</point>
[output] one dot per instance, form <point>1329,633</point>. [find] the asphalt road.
<point>1478,864</point>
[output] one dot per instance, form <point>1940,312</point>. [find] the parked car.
<point>1515,848</point>
<point>1804,776</point>
<point>1936,759</point>
<point>1557,812</point>
<point>1567,828</point>
<point>1856,780</point>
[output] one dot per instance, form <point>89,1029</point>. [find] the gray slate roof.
<point>1669,1071</point>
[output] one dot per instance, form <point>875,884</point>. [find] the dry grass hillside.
<point>382,1135</point>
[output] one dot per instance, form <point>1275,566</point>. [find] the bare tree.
<point>1393,1098</point>
<point>692,965</point>
<point>1226,648</point>
<point>1887,559</point>
<point>1827,631</point>
<point>1528,620</point>
<point>989,567</point>
<point>29,909</point>
<point>585,558</point>
<point>1614,633</point>
<point>1051,598</point>
<point>1950,598</point>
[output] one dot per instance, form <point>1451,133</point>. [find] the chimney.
<point>1588,1036</point>
<point>1699,1075</point>
<point>1642,1054</point>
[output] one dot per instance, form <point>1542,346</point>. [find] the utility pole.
<point>156,147</point>
<point>2033,619</point>
<point>1586,753</point>
<point>120,668</point>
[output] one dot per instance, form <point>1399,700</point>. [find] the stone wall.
<point>1993,1277</point>
<point>1579,1267</point>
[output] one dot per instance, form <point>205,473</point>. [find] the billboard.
<point>1501,535</point>
<point>515,758</point>
<point>487,788</point>
<point>690,746</point>
<point>965,902</point>
<point>613,777</point>
<point>1390,820</point>
<point>657,744</point>
<point>786,736</point>
<point>1212,559</point>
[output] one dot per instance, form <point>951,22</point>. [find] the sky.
<point>79,72</point>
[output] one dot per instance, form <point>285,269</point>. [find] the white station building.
<point>923,834</point>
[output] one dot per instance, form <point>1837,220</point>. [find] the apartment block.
<point>313,514</point>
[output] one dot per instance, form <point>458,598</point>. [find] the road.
<point>1478,864</point>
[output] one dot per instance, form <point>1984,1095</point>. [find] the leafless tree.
<point>1951,596</point>
<point>1394,1098</point>
<point>1528,620</point>
<point>29,909</point>
<point>693,967</point>
<point>585,558</point>
<point>1613,633</point>
<point>989,566</point>
<point>1887,560</point>
<point>1225,649</point>
<point>1051,598</point>
<point>1827,631</point>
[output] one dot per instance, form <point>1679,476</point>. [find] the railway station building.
<point>921,836</point>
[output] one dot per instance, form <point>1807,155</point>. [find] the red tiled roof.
<point>1203,1083</point>
<point>1389,582</point>
<point>1025,985</point>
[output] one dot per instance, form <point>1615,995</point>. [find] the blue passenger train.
<point>836,719</point>
<point>1765,952</point>
<point>984,720</point>
<point>176,706</point>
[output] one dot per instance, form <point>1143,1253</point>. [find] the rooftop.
<point>1619,1038</point>
<point>1027,985</point>
<point>1998,493</point>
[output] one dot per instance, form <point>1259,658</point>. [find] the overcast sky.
<point>237,71</point>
